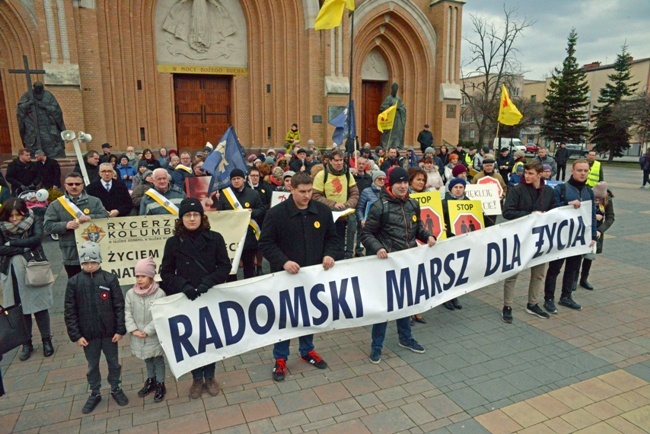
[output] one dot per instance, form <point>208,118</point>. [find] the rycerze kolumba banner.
<point>126,240</point>
<point>236,317</point>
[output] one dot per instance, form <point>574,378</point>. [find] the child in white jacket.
<point>139,322</point>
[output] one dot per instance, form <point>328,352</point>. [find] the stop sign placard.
<point>431,214</point>
<point>465,216</point>
<point>489,180</point>
<point>432,221</point>
<point>464,223</point>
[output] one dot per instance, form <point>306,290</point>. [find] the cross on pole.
<point>28,75</point>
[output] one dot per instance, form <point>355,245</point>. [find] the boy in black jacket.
<point>94,317</point>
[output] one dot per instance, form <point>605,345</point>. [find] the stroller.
<point>36,200</point>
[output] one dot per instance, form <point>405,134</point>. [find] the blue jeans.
<point>379,332</point>
<point>305,345</point>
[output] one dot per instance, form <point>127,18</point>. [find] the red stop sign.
<point>465,223</point>
<point>431,221</point>
<point>489,180</point>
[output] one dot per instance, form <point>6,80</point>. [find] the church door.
<point>202,107</point>
<point>5,137</point>
<point>371,95</point>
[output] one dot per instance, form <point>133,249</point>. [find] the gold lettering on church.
<point>216,70</point>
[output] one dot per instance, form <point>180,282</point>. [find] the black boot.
<point>28,348</point>
<point>148,387</point>
<point>585,284</point>
<point>48,349</point>
<point>160,392</point>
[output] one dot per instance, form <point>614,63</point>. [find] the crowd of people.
<point>374,184</point>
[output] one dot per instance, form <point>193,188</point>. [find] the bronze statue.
<point>40,121</point>
<point>395,137</point>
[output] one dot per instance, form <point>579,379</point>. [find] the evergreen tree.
<point>565,111</point>
<point>609,134</point>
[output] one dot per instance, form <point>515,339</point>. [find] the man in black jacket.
<point>425,138</point>
<point>111,191</point>
<point>394,224</point>
<point>48,170</point>
<point>91,161</point>
<point>561,157</point>
<point>297,233</point>
<point>21,173</point>
<point>531,195</point>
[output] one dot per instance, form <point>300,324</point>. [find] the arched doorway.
<point>5,135</point>
<point>374,76</point>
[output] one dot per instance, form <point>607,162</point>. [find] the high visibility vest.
<point>594,174</point>
<point>469,160</point>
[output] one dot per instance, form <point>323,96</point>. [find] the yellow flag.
<point>386,118</point>
<point>508,113</point>
<point>331,14</point>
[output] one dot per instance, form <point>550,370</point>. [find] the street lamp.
<point>69,136</point>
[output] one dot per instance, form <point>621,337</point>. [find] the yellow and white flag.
<point>508,113</point>
<point>386,118</point>
<point>331,14</point>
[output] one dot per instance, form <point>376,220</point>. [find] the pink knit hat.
<point>146,267</point>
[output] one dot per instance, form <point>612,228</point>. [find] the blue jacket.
<point>368,195</point>
<point>569,191</point>
<point>126,171</point>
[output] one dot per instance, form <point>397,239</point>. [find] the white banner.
<point>279,196</point>
<point>237,317</point>
<point>126,240</point>
<point>488,194</point>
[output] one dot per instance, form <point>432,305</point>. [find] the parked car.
<point>506,142</point>
<point>531,148</point>
<point>576,150</point>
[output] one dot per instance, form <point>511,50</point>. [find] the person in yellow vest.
<point>292,138</point>
<point>595,170</point>
<point>163,198</point>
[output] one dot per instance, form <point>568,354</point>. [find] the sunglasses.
<point>73,184</point>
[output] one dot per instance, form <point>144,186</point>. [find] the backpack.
<point>347,176</point>
<point>562,188</point>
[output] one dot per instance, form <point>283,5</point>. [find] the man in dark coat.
<point>529,196</point>
<point>21,173</point>
<point>112,192</point>
<point>264,189</point>
<point>40,121</point>
<point>48,170</point>
<point>297,233</point>
<point>394,224</point>
<point>91,161</point>
<point>561,157</point>
<point>248,199</point>
<point>425,138</point>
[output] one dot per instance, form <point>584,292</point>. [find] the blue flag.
<point>226,156</point>
<point>342,122</point>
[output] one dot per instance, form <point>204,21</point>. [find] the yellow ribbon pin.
<point>86,211</point>
<point>317,225</point>
<point>414,218</point>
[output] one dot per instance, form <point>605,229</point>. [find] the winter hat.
<point>520,154</point>
<point>278,172</point>
<point>270,151</point>
<point>376,174</point>
<point>189,204</point>
<point>289,173</point>
<point>600,189</point>
<point>489,158</point>
<point>270,161</point>
<point>251,158</point>
<point>547,167</point>
<point>90,252</point>
<point>146,267</point>
<point>142,162</point>
<point>429,150</point>
<point>121,158</point>
<point>209,146</point>
<point>397,175</point>
<point>146,173</point>
<point>456,181</point>
<point>458,169</point>
<point>237,173</point>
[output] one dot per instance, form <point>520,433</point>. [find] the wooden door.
<point>371,98</point>
<point>5,136</point>
<point>202,106</point>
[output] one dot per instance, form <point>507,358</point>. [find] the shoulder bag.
<point>38,271</point>
<point>13,332</point>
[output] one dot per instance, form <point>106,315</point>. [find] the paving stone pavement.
<point>586,371</point>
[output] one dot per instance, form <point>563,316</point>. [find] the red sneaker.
<point>314,359</point>
<point>279,370</point>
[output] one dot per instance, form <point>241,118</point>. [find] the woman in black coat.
<point>195,260</point>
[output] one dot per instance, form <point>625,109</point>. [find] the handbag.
<point>13,332</point>
<point>38,271</point>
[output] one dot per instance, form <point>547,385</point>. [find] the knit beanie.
<point>456,181</point>
<point>458,169</point>
<point>397,174</point>
<point>278,172</point>
<point>237,173</point>
<point>146,267</point>
<point>429,150</point>
<point>600,189</point>
<point>90,252</point>
<point>376,174</point>
<point>189,204</point>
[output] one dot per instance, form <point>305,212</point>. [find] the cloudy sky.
<point>603,26</point>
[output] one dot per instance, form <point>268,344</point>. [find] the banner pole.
<point>349,146</point>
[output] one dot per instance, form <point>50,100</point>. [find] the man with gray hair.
<point>111,191</point>
<point>163,198</point>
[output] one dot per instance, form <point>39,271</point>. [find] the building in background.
<point>150,73</point>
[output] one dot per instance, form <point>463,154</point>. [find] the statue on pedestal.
<point>40,121</point>
<point>394,138</point>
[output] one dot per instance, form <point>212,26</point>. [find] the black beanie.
<point>398,174</point>
<point>237,172</point>
<point>189,204</point>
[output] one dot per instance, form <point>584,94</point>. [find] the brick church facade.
<point>150,73</point>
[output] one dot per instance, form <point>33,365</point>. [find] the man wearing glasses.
<point>111,191</point>
<point>65,214</point>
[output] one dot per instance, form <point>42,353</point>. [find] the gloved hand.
<point>191,293</point>
<point>202,289</point>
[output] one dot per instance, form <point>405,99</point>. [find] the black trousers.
<point>561,168</point>
<point>570,273</point>
<point>93,352</point>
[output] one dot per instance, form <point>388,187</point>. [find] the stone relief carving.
<point>201,32</point>
<point>374,67</point>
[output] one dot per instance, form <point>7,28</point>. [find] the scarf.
<point>334,172</point>
<point>144,292</point>
<point>16,230</point>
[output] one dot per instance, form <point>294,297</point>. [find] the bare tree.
<point>492,62</point>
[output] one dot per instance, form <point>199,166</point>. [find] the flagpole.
<point>349,146</point>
